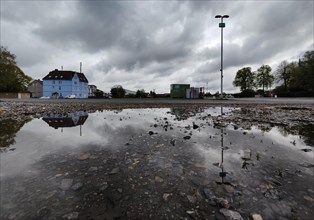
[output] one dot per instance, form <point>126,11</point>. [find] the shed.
<point>178,90</point>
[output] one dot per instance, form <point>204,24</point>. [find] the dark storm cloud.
<point>160,39</point>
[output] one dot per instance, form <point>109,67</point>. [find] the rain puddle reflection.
<point>154,163</point>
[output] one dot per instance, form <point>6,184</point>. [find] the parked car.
<point>229,96</point>
<point>70,97</point>
<point>44,97</point>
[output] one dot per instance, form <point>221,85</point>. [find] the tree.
<point>12,78</point>
<point>284,73</point>
<point>244,79</point>
<point>99,93</point>
<point>306,71</point>
<point>152,94</point>
<point>141,94</point>
<point>117,91</point>
<point>264,78</point>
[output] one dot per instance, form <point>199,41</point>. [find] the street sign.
<point>222,25</point>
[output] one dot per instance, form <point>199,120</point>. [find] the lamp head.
<point>218,16</point>
<point>225,16</point>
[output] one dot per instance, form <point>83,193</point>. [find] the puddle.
<point>153,163</point>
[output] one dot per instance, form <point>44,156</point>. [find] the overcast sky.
<point>152,44</point>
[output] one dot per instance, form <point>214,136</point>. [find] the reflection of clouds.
<point>277,137</point>
<point>36,139</point>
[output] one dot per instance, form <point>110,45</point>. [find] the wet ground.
<point>161,163</point>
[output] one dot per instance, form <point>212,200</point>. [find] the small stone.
<point>192,199</point>
<point>159,179</point>
<point>246,154</point>
<point>77,186</point>
<point>119,190</point>
<point>231,215</point>
<point>166,196</point>
<point>66,184</point>
<point>73,215</point>
<point>223,202</point>
<point>306,150</point>
<point>308,198</point>
<point>91,169</point>
<point>150,132</point>
<point>114,170</point>
<point>104,187</point>
<point>257,217</point>
<point>306,164</point>
<point>229,189</point>
<point>172,142</point>
<point>187,137</point>
<point>84,156</point>
<point>195,126</point>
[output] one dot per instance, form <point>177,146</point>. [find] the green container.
<point>178,90</point>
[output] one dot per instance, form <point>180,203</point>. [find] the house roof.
<point>64,75</point>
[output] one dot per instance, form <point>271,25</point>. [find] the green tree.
<point>117,91</point>
<point>284,73</point>
<point>12,78</point>
<point>99,93</point>
<point>264,78</point>
<point>141,94</point>
<point>244,79</point>
<point>306,71</point>
<point>152,94</point>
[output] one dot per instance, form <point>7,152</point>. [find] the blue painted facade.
<point>63,83</point>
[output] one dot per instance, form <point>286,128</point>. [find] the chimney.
<point>80,67</point>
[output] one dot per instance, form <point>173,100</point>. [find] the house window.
<point>60,82</point>
<point>53,82</point>
<point>53,87</point>
<point>59,87</point>
<point>75,82</point>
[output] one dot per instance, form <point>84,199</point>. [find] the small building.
<point>35,87</point>
<point>15,95</point>
<point>61,83</point>
<point>92,90</point>
<point>178,90</point>
<point>195,93</point>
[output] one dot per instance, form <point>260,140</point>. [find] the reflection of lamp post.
<point>223,173</point>
<point>222,25</point>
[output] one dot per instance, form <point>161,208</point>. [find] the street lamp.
<point>222,25</point>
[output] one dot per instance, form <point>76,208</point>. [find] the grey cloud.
<point>157,38</point>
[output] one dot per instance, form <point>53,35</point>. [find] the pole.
<point>221,59</point>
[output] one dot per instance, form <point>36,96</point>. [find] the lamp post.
<point>221,25</point>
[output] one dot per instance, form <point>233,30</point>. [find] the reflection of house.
<point>63,83</point>
<point>35,87</point>
<point>66,120</point>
